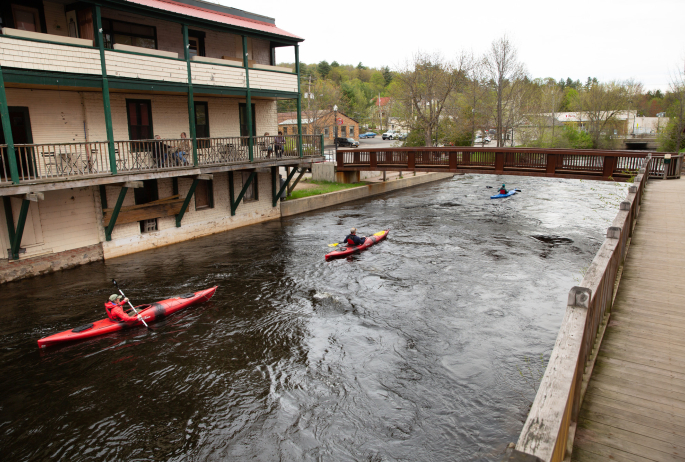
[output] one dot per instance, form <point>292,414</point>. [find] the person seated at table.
<point>269,146</point>
<point>279,142</point>
<point>184,147</point>
<point>160,151</point>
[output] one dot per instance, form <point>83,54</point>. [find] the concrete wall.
<point>323,171</point>
<point>127,238</point>
<point>306,204</point>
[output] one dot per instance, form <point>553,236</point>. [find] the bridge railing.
<point>570,163</point>
<point>549,429</point>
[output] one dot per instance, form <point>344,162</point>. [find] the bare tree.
<point>507,73</point>
<point>602,104</point>
<point>318,107</point>
<point>425,83</point>
<point>677,110</point>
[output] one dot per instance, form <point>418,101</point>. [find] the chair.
<point>50,162</point>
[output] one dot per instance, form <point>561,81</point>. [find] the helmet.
<point>353,231</point>
<point>113,297</point>
<point>502,184</point>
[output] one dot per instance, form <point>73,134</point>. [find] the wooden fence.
<point>549,429</point>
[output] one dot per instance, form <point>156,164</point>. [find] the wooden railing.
<point>549,429</point>
<point>568,163</point>
<point>81,160</point>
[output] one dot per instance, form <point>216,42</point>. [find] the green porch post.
<point>299,98</point>
<point>278,190</point>
<point>236,203</point>
<point>322,152</point>
<point>115,214</point>
<point>7,131</point>
<point>9,218</point>
<point>97,22</point>
<point>186,202</point>
<point>191,99</point>
<point>248,97</point>
<point>15,235</point>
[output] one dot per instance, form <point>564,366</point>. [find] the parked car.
<point>367,135</point>
<point>346,143</point>
<point>481,140</point>
<point>390,135</point>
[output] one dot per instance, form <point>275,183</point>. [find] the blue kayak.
<point>499,196</point>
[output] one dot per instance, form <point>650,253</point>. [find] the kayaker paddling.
<point>353,239</point>
<point>115,309</point>
<point>503,189</point>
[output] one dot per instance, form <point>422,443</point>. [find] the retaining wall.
<point>306,204</point>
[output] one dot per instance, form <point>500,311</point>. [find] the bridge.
<point>559,163</point>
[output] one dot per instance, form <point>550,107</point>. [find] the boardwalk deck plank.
<point>634,407</point>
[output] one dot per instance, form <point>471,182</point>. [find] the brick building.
<point>320,123</point>
<point>128,126</point>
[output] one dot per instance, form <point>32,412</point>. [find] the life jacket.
<point>503,191</point>
<point>109,306</point>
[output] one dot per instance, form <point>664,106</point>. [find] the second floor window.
<point>26,18</point>
<point>127,33</point>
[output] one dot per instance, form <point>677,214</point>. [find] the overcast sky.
<point>618,39</point>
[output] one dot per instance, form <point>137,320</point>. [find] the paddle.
<point>379,233</point>
<point>491,187</point>
<point>129,303</point>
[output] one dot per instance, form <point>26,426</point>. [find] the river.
<point>426,347</point>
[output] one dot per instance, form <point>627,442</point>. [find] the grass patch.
<point>322,187</point>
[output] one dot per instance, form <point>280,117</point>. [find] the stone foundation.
<point>13,270</point>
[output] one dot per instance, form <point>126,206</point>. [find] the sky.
<point>611,40</point>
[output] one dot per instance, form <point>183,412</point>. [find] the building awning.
<point>215,16</point>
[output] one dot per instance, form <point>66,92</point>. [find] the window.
<point>304,130</point>
<point>242,109</point>
<point>204,195</point>
<point>343,131</point>
<point>26,18</point>
<point>285,130</point>
<point>352,130</point>
<point>127,33</point>
<point>325,132</point>
<point>139,119</point>
<point>196,40</point>
<point>148,193</point>
<point>252,192</point>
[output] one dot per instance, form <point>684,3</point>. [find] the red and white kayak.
<point>350,249</point>
<point>150,313</point>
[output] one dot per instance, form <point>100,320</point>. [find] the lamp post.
<point>335,129</point>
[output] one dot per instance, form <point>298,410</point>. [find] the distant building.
<point>319,123</point>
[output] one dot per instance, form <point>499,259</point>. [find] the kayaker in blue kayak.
<point>503,189</point>
<point>353,239</point>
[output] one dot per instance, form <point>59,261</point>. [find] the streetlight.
<point>335,129</point>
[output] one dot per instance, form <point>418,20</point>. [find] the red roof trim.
<point>215,16</point>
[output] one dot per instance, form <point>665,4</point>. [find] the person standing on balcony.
<point>183,149</point>
<point>280,141</point>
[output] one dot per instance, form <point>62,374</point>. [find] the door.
<point>243,120</point>
<point>21,134</point>
<point>202,124</point>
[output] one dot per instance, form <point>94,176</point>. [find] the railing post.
<point>248,100</point>
<point>452,156</point>
<point>97,22</point>
<point>466,158</point>
<point>299,98</point>
<point>7,131</point>
<point>499,162</point>
<point>609,166</point>
<point>191,98</point>
<point>322,150</point>
<point>551,164</point>
<point>340,159</point>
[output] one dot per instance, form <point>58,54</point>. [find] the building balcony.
<point>54,56</point>
<point>45,163</point>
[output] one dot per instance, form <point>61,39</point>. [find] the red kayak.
<point>350,249</point>
<point>150,313</point>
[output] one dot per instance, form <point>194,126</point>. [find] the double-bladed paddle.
<point>129,303</point>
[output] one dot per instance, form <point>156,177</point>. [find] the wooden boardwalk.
<point>634,407</point>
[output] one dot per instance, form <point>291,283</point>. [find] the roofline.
<point>228,10</point>
<point>130,6</point>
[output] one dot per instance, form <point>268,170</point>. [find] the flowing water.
<point>426,347</point>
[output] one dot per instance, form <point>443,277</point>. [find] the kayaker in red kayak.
<point>353,239</point>
<point>115,309</point>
